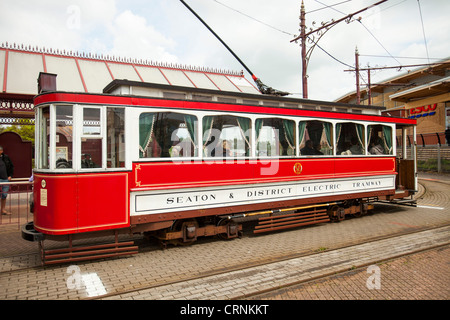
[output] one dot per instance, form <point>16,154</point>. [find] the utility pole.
<point>358,93</point>
<point>369,69</point>
<point>369,92</point>
<point>319,32</point>
<point>303,44</point>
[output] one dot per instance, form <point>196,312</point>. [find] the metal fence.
<point>433,152</point>
<point>17,203</point>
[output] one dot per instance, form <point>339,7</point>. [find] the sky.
<point>258,31</point>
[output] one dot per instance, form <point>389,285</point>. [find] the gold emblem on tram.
<point>298,168</point>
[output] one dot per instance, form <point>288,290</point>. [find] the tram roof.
<point>127,87</point>
<point>135,93</point>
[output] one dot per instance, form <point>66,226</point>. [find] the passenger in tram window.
<point>347,151</point>
<point>86,161</point>
<point>308,150</point>
<point>356,147</point>
<point>175,151</point>
<point>226,150</point>
<point>375,146</point>
<point>317,148</point>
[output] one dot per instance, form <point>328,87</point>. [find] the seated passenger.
<point>375,147</point>
<point>317,148</point>
<point>226,150</point>
<point>308,150</point>
<point>175,151</point>
<point>355,148</point>
<point>346,151</point>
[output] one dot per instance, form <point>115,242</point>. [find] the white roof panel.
<point>151,74</point>
<point>95,74</point>
<point>23,72</point>
<point>123,71</point>
<point>2,67</point>
<point>68,78</point>
<point>243,84</point>
<point>201,80</point>
<point>223,83</point>
<point>177,77</point>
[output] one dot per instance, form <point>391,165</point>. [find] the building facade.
<point>422,94</point>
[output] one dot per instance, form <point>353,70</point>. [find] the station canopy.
<point>80,72</point>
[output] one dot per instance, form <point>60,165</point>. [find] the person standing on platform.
<point>6,173</point>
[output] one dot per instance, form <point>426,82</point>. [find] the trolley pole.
<point>303,44</point>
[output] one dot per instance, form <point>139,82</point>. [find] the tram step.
<point>274,223</point>
<point>75,254</point>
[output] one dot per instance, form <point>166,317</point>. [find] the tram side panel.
<point>55,204</point>
<point>166,190</point>
<point>76,203</point>
<point>102,201</point>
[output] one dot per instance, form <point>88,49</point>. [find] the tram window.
<point>349,139</point>
<point>91,121</point>
<point>275,137</point>
<point>115,129</point>
<point>44,135</point>
<point>315,138</point>
<point>226,136</point>
<point>380,139</point>
<point>64,129</point>
<point>91,153</point>
<point>167,134</point>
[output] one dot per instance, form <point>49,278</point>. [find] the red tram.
<point>179,163</point>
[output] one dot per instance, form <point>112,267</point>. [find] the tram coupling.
<point>30,234</point>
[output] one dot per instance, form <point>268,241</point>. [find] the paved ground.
<point>210,257</point>
<point>412,277</point>
<point>242,283</point>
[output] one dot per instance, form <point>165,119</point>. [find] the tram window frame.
<point>115,150</point>
<point>213,134</point>
<point>147,136</point>
<point>96,140</point>
<point>283,141</point>
<point>63,152</point>
<point>322,140</point>
<point>379,131</point>
<point>350,141</point>
<point>43,136</point>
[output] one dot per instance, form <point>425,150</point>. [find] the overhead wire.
<point>327,6</point>
<point>367,29</point>
<point>257,20</point>
<point>288,33</point>
<point>423,30</point>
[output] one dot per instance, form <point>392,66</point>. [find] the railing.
<point>17,203</point>
<point>433,151</point>
<point>426,139</point>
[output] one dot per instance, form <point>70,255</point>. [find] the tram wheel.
<point>188,229</point>
<point>232,229</point>
<point>336,213</point>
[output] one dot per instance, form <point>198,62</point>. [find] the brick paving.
<point>156,267</point>
<point>241,283</point>
<point>420,276</point>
